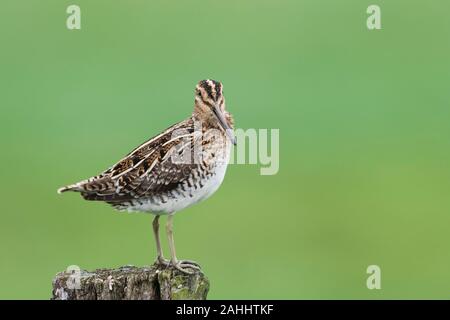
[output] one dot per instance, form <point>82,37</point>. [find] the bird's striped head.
<point>209,92</point>
<point>210,104</point>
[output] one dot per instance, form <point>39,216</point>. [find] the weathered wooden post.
<point>130,283</point>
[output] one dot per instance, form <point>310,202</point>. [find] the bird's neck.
<point>209,121</point>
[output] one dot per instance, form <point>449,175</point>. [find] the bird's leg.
<point>160,259</point>
<point>178,264</point>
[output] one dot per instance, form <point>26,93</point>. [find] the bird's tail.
<point>77,187</point>
<point>72,187</point>
<point>93,184</point>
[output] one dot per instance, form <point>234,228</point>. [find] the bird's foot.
<point>182,264</point>
<point>162,262</point>
<point>189,262</point>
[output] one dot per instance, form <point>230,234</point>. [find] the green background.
<point>364,141</point>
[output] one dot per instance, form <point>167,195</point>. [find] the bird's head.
<point>210,106</point>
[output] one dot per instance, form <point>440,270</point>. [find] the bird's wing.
<point>147,169</point>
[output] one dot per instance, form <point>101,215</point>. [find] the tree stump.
<point>130,283</point>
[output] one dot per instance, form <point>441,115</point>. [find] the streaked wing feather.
<point>145,170</point>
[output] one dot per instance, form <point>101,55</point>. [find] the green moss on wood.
<point>133,283</point>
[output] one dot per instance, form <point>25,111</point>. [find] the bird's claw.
<point>182,264</point>
<point>189,262</point>
<point>162,262</point>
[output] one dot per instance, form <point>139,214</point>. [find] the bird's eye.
<point>199,94</point>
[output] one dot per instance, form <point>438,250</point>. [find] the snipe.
<point>181,166</point>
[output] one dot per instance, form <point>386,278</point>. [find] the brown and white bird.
<point>181,166</point>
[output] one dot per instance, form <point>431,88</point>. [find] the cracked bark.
<point>130,283</point>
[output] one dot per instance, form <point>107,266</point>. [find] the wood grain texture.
<point>130,283</point>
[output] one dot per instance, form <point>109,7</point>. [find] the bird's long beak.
<point>223,123</point>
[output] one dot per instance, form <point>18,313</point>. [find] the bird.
<point>181,166</point>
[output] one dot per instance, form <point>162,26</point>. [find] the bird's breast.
<point>201,183</point>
